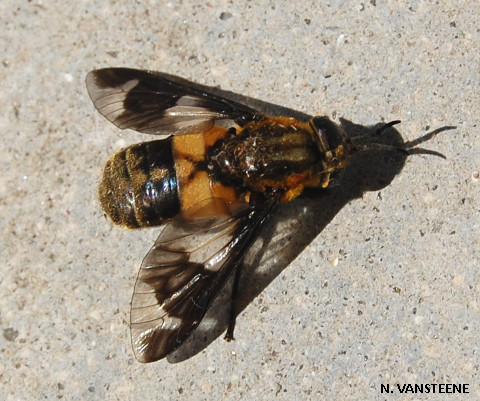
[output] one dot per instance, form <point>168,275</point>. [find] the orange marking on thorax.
<point>285,121</point>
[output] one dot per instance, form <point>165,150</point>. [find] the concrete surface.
<point>353,292</point>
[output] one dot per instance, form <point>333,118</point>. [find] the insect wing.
<point>184,271</point>
<point>160,104</point>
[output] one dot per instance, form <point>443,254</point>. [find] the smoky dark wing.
<point>184,271</point>
<point>158,103</point>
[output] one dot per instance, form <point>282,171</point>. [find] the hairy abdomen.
<point>139,187</point>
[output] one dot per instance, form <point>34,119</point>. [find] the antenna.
<point>407,148</point>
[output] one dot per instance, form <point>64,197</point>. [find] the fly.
<point>213,181</point>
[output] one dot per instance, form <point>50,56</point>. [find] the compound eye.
<point>329,135</point>
<point>321,123</point>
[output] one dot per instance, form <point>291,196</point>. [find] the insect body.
<point>213,182</point>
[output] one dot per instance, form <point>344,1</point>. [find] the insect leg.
<point>269,207</point>
<point>233,302</point>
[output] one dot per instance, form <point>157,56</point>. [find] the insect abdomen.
<point>139,185</point>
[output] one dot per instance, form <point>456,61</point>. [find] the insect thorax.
<point>279,153</point>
